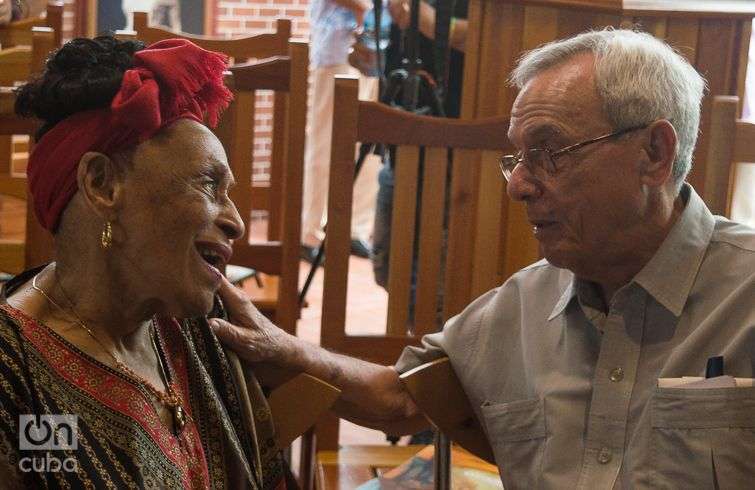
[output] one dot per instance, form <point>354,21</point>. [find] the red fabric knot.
<point>170,80</point>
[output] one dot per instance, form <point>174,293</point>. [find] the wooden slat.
<point>277,165</point>
<point>461,226</point>
<point>269,74</point>
<point>718,168</point>
<point>15,64</point>
<point>743,37</point>
<point>291,194</point>
<point>340,193</point>
<point>403,219</point>
<point>714,61</point>
<point>378,349</point>
<point>744,149</point>
<point>490,220</point>
<point>264,257</point>
<point>573,22</point>
<point>13,186</point>
<point>683,35</point>
<point>12,258</point>
<point>654,25</point>
<point>431,241</point>
<point>239,120</point>
<point>472,60</point>
<point>43,43</point>
<point>379,122</point>
<point>6,154</point>
<point>540,26</point>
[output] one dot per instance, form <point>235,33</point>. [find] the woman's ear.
<point>101,181</point>
<point>661,151</point>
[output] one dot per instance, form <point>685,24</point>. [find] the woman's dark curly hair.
<point>84,74</point>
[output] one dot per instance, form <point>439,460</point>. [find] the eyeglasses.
<point>543,159</point>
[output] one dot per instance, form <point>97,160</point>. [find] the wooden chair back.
<point>730,169</point>
<point>242,48</point>
<point>420,204</point>
<point>19,33</point>
<point>278,256</point>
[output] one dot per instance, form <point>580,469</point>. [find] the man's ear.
<point>660,148</point>
<point>101,182</point>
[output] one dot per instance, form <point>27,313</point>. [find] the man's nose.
<point>522,185</point>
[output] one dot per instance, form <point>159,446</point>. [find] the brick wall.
<point>249,17</point>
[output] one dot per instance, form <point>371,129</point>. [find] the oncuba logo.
<point>47,433</point>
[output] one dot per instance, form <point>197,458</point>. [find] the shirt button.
<point>604,456</point>
<point>617,374</point>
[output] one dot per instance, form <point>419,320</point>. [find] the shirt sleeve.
<point>457,340</point>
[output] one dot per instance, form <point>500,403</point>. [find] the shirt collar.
<point>669,275</point>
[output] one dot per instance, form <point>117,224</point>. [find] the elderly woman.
<point>135,190</point>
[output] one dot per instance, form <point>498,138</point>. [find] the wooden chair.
<point>278,256</point>
<point>420,183</point>
<point>730,170</point>
<point>19,33</point>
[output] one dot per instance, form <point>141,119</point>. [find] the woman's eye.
<point>211,187</point>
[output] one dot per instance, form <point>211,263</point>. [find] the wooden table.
<point>354,465</point>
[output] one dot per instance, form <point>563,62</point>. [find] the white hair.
<point>639,79</point>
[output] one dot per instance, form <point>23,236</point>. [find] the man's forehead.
<point>562,95</point>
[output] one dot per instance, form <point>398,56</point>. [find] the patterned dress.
<point>228,441</point>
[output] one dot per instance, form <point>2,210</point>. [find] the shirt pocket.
<point>703,438</point>
<point>517,434</point>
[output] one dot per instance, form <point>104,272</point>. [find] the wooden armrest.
<point>439,395</point>
<point>297,404</point>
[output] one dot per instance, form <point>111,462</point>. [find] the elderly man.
<point>640,282</point>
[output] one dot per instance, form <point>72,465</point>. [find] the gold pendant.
<point>179,418</point>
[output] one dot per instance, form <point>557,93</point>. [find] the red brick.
<point>228,24</point>
<point>271,13</point>
<point>300,12</point>
<point>256,24</point>
<point>245,12</point>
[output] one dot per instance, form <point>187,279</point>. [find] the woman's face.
<point>176,224</point>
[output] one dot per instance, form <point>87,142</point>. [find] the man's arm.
<point>372,395</point>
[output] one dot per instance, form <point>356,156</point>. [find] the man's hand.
<point>250,334</point>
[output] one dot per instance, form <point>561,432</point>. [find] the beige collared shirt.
<point>568,394</point>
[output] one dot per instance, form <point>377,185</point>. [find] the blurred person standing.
<point>334,25</point>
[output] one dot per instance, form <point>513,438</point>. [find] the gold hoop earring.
<point>106,238</point>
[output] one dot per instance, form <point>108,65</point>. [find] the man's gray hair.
<point>639,79</point>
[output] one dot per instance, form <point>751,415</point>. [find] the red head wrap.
<point>170,80</point>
